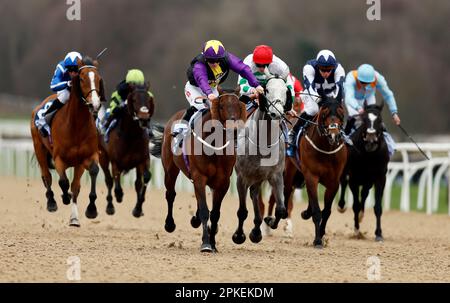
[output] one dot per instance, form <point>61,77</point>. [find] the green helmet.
<point>135,76</point>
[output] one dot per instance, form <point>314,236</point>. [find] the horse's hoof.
<point>360,216</point>
<point>91,213</point>
<point>379,239</point>
<point>239,238</point>
<point>281,213</point>
<point>318,244</point>
<point>170,226</point>
<point>51,206</point>
<point>195,222</point>
<point>137,213</point>
<point>66,199</point>
<point>306,215</point>
<point>341,209</point>
<point>270,221</point>
<point>119,196</point>
<point>255,236</point>
<point>110,210</point>
<point>206,248</point>
<point>74,222</point>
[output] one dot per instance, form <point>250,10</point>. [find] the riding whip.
<point>101,53</point>
<point>412,140</point>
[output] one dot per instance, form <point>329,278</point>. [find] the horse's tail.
<point>156,140</point>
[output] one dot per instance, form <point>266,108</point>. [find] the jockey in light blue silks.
<point>361,85</point>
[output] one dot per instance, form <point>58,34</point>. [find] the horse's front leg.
<point>75,188</point>
<point>344,181</point>
<point>255,234</point>
<point>354,187</point>
<point>203,211</point>
<point>278,189</point>
<point>330,193</point>
<point>91,210</point>
<point>313,204</point>
<point>143,176</point>
<point>104,163</point>
<point>118,192</point>
<point>218,194</point>
<point>379,189</point>
<point>242,213</point>
<point>63,181</point>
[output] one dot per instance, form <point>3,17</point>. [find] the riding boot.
<point>292,135</point>
<point>187,116</point>
<point>349,125</point>
<point>49,114</point>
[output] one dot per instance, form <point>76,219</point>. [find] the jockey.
<point>205,73</point>
<point>118,97</point>
<point>361,85</point>
<point>322,77</point>
<point>61,83</point>
<point>262,58</point>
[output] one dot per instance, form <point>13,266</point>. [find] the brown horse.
<point>322,154</point>
<point>212,166</point>
<point>75,141</point>
<point>128,148</point>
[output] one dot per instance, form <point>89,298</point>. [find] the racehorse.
<point>261,143</point>
<point>128,148</point>
<point>212,166</point>
<point>366,166</point>
<point>322,156</point>
<point>75,141</point>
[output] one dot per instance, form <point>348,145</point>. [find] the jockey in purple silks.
<point>206,72</point>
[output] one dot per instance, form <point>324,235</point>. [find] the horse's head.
<point>274,102</point>
<point>372,126</point>
<point>140,104</point>
<point>90,82</point>
<point>330,119</point>
<point>228,109</point>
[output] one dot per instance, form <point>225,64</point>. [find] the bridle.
<point>84,97</point>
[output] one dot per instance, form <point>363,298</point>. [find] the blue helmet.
<point>366,73</point>
<point>71,59</point>
<point>326,58</point>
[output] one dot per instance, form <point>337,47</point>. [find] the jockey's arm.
<point>58,83</point>
<point>387,94</point>
<point>349,89</point>
<point>239,67</point>
<point>339,78</point>
<point>201,77</point>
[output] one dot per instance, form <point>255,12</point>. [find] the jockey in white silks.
<point>361,85</point>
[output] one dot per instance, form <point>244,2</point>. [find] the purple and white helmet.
<point>214,49</point>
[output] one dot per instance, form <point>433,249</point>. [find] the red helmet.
<point>262,54</point>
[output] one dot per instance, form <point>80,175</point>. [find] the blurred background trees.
<point>409,45</point>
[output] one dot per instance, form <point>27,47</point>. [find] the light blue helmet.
<point>366,73</point>
<point>71,59</point>
<point>326,58</point>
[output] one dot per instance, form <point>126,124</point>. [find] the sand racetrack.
<point>35,244</point>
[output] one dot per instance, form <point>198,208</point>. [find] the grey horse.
<point>260,157</point>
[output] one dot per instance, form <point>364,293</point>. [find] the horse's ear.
<point>95,63</point>
<point>79,62</point>
<point>220,90</point>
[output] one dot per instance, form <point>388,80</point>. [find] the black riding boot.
<point>292,135</point>
<point>349,125</point>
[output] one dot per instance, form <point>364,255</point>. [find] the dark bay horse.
<point>128,148</point>
<point>322,155</point>
<point>367,166</point>
<point>211,166</point>
<point>75,141</point>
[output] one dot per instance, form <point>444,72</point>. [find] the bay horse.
<point>261,154</point>
<point>128,148</point>
<point>75,141</point>
<point>366,167</point>
<point>211,166</point>
<point>322,155</point>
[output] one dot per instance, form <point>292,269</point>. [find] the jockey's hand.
<point>396,119</point>
<point>212,97</point>
<point>259,89</point>
<point>253,96</point>
<point>361,111</point>
<point>292,113</point>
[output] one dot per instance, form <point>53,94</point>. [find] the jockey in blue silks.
<point>361,85</point>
